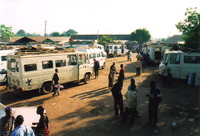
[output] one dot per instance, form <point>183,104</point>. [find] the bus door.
<point>83,66</point>
<point>174,65</point>
<point>72,68</point>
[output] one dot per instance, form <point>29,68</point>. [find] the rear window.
<point>192,59</point>
<point>30,67</point>
<point>3,58</point>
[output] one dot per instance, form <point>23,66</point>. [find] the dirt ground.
<point>87,109</point>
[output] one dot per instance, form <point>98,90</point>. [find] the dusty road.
<point>87,109</point>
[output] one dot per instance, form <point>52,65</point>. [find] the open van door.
<point>83,67</point>
<point>174,65</point>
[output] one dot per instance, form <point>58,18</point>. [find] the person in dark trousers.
<point>166,76</point>
<point>55,80</point>
<point>131,103</point>
<point>110,79</point>
<point>138,67</point>
<point>118,99</point>
<point>96,68</point>
<point>154,100</point>
<point>7,122</point>
<point>111,75</point>
<point>43,125</point>
<point>121,75</point>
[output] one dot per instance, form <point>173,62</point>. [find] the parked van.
<point>35,71</point>
<point>3,63</point>
<point>116,50</point>
<point>94,53</point>
<point>180,63</point>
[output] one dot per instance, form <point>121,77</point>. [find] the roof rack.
<point>39,50</point>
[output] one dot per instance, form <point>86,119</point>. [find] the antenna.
<point>45,34</point>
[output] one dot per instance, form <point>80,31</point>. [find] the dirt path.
<point>87,109</point>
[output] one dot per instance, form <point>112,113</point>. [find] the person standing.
<point>131,103</point>
<point>43,125</point>
<point>118,99</point>
<point>154,100</point>
<point>138,67</point>
<point>113,68</point>
<point>55,80</point>
<point>121,75</point>
<point>20,129</point>
<point>166,76</point>
<point>96,68</point>
<point>111,75</point>
<point>110,79</point>
<point>130,55</point>
<point>7,122</point>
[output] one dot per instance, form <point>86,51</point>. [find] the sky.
<point>96,16</point>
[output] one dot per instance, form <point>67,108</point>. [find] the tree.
<point>5,33</point>
<point>54,34</point>
<point>105,39</point>
<point>21,32</point>
<point>69,33</point>
<point>190,28</point>
<point>141,36</point>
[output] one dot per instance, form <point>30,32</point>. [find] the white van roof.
<point>181,52</point>
<point>92,50</point>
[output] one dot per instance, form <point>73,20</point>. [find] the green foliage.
<point>55,34</point>
<point>21,32</point>
<point>104,40</point>
<point>141,36</point>
<point>190,28</point>
<point>69,33</point>
<point>5,33</point>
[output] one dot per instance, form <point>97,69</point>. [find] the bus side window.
<point>47,64</point>
<point>174,59</point>
<point>72,60</point>
<point>60,63</point>
<point>3,58</point>
<point>82,59</point>
<point>30,67</point>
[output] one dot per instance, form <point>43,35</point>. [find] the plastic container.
<point>197,79</point>
<point>191,78</point>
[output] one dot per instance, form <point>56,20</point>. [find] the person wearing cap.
<point>7,122</point>
<point>20,129</point>
<point>43,125</point>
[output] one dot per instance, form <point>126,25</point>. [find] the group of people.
<point>11,126</point>
<point>131,98</point>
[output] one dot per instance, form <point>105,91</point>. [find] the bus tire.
<point>86,78</point>
<point>47,87</point>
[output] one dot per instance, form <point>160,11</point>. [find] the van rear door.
<point>83,66</point>
<point>174,65</point>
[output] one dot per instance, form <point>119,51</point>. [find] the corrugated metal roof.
<point>174,39</point>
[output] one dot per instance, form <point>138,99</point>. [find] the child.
<point>58,86</point>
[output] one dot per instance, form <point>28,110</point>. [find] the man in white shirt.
<point>131,102</point>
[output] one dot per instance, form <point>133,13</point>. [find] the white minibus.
<point>95,53</point>
<point>180,63</point>
<point>35,71</point>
